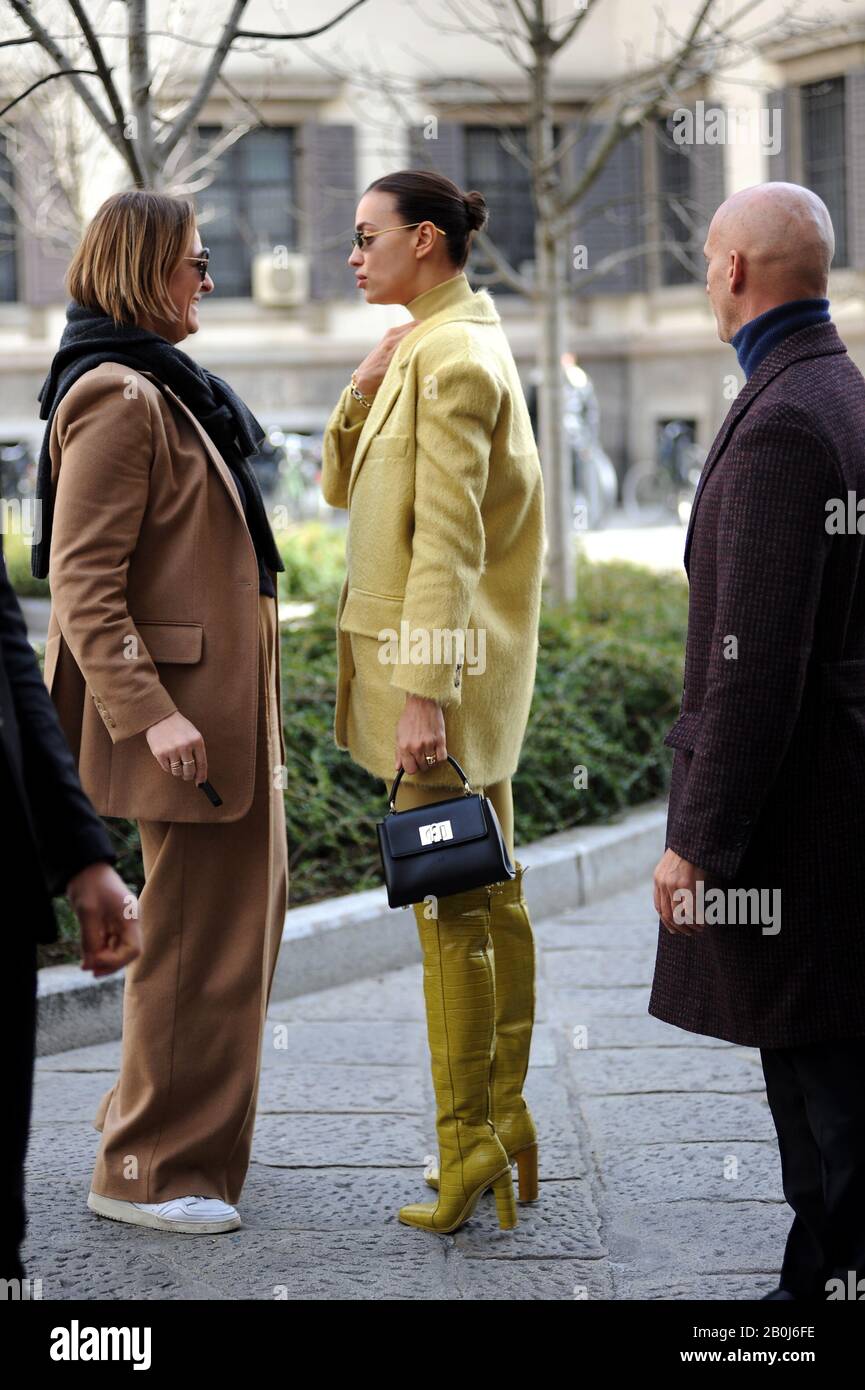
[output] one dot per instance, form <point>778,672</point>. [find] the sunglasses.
<point>362,239</point>
<point>202,261</point>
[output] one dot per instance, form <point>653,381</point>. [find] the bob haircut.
<point>128,252</point>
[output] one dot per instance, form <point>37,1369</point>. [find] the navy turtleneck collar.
<point>756,338</point>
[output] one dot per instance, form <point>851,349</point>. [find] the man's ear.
<point>737,272</point>
<point>731,269</point>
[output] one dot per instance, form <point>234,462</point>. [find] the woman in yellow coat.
<point>431,449</point>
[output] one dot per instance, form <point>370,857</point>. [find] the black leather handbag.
<point>444,848</point>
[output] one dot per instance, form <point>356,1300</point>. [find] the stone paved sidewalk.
<point>659,1171</point>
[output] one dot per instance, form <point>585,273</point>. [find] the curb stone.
<point>357,935</point>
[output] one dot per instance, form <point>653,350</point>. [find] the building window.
<point>824,153</point>
<point>8,271</point>
<point>507,187</point>
<point>250,206</point>
<point>676,219</point>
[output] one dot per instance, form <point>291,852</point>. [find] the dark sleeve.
<point>70,835</point>
<point>772,544</point>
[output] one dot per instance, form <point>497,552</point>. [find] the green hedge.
<point>313,553</point>
<point>608,685</point>
<point>16,553</point>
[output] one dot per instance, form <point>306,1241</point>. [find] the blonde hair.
<point>128,252</point>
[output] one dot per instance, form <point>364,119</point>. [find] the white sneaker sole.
<point>133,1216</point>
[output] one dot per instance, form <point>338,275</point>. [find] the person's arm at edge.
<point>70,834</point>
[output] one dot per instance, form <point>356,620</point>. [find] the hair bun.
<point>476,209</point>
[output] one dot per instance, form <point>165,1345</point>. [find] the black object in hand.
<point>210,792</point>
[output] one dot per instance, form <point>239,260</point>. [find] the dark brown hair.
<point>422,196</point>
<point>128,252</point>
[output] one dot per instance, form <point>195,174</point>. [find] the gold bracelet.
<point>355,391</point>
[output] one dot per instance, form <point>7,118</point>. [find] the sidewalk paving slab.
<point>658,1164</point>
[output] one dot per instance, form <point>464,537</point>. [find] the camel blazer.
<point>155,598</point>
<point>446,541</point>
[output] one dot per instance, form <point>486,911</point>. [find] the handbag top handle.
<point>396,781</point>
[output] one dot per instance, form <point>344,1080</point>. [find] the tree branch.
<point>104,73</point>
<point>63,72</point>
<point>54,51</point>
<point>619,128</point>
<point>180,127</point>
<point>629,253</point>
<point>301,34</point>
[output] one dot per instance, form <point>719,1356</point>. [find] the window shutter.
<point>9,235</point>
<point>707,190</point>
<point>443,155</point>
<point>330,183</point>
<point>41,262</point>
<point>854,117</point>
<point>783,166</point>
<point>611,216</point>
<point>42,271</point>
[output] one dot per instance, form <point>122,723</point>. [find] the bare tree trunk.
<point>140,120</point>
<point>550,290</point>
<point>558,492</point>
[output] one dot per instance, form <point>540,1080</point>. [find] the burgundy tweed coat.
<point>768,780</point>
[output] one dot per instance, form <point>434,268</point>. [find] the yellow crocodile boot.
<point>459,993</point>
<point>514,968</point>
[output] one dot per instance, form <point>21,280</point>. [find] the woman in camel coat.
<point>431,450</point>
<point>162,659</point>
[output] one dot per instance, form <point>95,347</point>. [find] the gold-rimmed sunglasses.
<point>360,239</point>
<point>202,260</point>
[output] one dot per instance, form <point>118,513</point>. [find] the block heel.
<point>506,1206</point>
<point>527,1173</point>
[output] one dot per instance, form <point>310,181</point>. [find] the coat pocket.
<point>684,732</point>
<point>368,613</point>
<point>171,642</point>
<point>388,446</point>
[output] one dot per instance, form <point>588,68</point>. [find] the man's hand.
<point>673,873</point>
<point>370,373</point>
<point>108,913</point>
<point>421,730</point>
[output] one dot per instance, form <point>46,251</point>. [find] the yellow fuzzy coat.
<point>445,545</point>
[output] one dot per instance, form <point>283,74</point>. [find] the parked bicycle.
<point>662,489</point>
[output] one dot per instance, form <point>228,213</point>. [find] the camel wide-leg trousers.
<point>179,1119</point>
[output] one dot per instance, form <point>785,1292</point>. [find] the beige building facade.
<point>286,325</point>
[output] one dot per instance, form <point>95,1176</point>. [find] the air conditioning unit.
<point>280,281</point>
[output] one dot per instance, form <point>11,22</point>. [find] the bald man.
<point>761,888</point>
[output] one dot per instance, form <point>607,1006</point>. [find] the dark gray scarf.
<point>91,337</point>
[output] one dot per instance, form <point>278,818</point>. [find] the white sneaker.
<point>188,1215</point>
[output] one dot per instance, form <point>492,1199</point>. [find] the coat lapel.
<point>458,301</point>
<point>219,463</point>
<point>385,398</point>
<point>817,341</point>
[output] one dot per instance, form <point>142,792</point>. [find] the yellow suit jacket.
<point>446,542</point>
